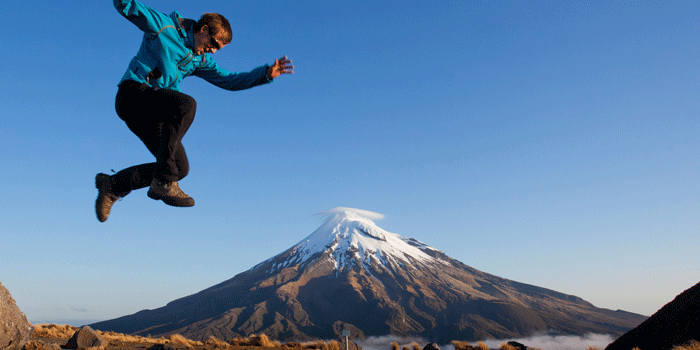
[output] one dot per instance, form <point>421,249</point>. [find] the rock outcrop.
<point>14,327</point>
<point>676,323</point>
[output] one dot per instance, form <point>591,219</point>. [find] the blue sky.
<point>549,142</point>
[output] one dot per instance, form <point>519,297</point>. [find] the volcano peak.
<point>352,274</point>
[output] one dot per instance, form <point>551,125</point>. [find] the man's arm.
<point>144,17</point>
<point>224,79</point>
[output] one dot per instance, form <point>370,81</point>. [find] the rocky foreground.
<point>56,337</point>
<point>676,326</point>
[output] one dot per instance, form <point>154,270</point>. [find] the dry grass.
<point>125,338</point>
<point>321,345</point>
<point>463,345</point>
<point>334,345</point>
<point>505,346</point>
<point>180,340</point>
<point>415,346</point>
<point>591,347</point>
<point>54,331</point>
<point>261,340</point>
<point>394,345</point>
<point>40,345</point>
<point>691,345</point>
<point>214,343</point>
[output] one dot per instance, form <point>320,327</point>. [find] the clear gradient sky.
<point>553,143</point>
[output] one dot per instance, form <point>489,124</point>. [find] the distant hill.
<point>351,274</point>
<point>677,323</point>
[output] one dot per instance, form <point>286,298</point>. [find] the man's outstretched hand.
<point>281,66</point>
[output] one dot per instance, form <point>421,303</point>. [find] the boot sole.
<point>99,183</point>
<point>175,202</point>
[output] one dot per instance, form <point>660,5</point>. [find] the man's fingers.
<point>284,60</point>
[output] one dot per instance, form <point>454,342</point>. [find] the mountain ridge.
<point>351,274</point>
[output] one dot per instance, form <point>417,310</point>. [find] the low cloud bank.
<point>544,342</point>
<point>560,342</point>
<point>384,342</point>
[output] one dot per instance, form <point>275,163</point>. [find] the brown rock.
<point>85,338</point>
<point>14,327</point>
<point>517,346</point>
<point>676,323</point>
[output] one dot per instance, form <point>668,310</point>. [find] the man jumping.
<point>149,100</point>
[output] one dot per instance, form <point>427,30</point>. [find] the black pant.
<point>160,118</point>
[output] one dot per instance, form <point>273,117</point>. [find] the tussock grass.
<point>321,345</point>
<point>464,345</point>
<point>691,345</point>
<point>239,341</point>
<point>261,340</point>
<point>394,345</point>
<point>180,340</point>
<point>505,346</point>
<point>126,338</point>
<point>415,346</point>
<point>481,346</point>
<point>215,343</point>
<point>54,331</point>
<point>39,345</point>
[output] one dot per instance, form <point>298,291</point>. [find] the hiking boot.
<point>170,193</point>
<point>105,198</point>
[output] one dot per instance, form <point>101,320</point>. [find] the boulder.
<point>676,323</point>
<point>431,346</point>
<point>517,346</point>
<point>14,327</point>
<point>85,338</point>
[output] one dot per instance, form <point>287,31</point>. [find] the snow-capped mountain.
<point>350,274</point>
<point>349,238</point>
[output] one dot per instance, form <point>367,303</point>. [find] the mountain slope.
<point>351,274</point>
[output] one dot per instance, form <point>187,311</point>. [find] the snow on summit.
<point>350,236</point>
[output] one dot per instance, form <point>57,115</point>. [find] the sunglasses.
<point>213,42</point>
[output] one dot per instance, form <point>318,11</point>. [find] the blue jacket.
<point>167,45</point>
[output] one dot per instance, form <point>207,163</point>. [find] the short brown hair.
<point>217,24</point>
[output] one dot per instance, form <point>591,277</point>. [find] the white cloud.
<point>544,342</point>
<point>559,342</point>
<point>364,213</point>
